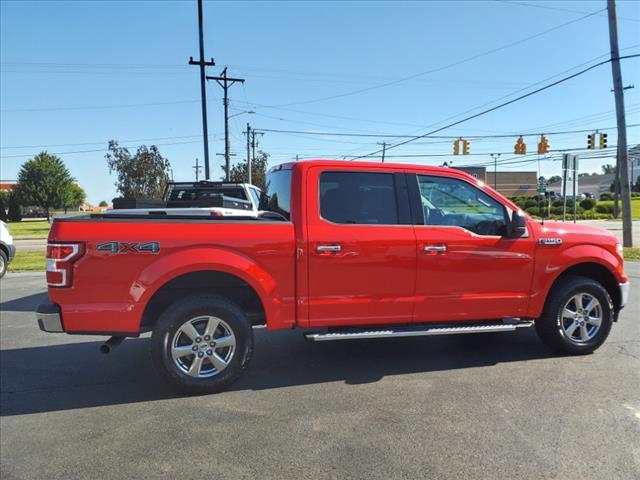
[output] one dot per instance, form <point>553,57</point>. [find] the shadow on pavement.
<point>71,376</point>
<point>23,304</point>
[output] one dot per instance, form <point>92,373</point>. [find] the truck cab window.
<point>277,198</point>
<point>358,198</point>
<point>452,202</point>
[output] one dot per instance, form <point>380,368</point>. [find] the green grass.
<point>29,229</point>
<point>635,207</point>
<point>632,254</point>
<point>28,262</point>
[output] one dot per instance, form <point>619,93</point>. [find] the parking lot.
<point>488,406</point>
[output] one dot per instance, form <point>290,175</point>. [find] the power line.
<point>559,9</point>
<point>521,97</point>
<point>459,62</point>
<point>471,137</point>
<point>97,150</point>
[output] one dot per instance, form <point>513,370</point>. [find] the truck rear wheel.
<point>577,317</point>
<point>202,344</point>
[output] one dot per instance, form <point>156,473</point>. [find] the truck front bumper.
<point>624,293</point>
<point>49,317</point>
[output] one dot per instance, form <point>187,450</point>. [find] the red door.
<point>362,247</point>
<point>467,268</point>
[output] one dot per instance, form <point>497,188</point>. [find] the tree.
<point>76,197</point>
<point>45,182</point>
<point>258,171</point>
<point>143,175</point>
<point>554,179</point>
<point>103,204</point>
<point>608,168</point>
<point>15,213</point>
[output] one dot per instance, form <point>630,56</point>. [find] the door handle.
<point>328,248</point>
<point>435,248</point>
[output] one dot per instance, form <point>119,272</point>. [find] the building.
<point>634,164</point>
<point>510,184</point>
<point>587,184</point>
<point>7,185</point>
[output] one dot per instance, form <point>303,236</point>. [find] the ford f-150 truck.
<point>357,250</point>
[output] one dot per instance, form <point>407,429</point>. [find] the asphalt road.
<point>490,406</point>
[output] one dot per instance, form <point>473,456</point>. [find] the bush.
<point>533,211</point>
<point>604,208</point>
<point>14,214</point>
<point>606,196</point>
<point>530,202</point>
<point>588,203</point>
<point>558,203</point>
<point>3,210</point>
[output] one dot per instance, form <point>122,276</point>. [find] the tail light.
<point>60,260</point>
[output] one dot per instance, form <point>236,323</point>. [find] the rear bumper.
<point>624,293</point>
<point>49,317</point>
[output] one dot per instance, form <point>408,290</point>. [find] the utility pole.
<point>203,90</point>
<point>248,153</point>
<point>225,82</point>
<point>254,142</point>
<point>622,160</point>
<point>495,157</point>
<point>197,168</point>
<point>384,149</point>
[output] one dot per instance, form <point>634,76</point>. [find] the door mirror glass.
<point>518,224</point>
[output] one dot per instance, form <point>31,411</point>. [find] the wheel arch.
<point>220,283</point>
<point>595,271</point>
<point>204,270</point>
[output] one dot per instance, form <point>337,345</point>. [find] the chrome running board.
<point>418,331</point>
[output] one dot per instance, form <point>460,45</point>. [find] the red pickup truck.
<point>352,250</point>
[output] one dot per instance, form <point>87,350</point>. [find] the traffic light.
<point>603,141</point>
<point>520,148</point>
<point>456,147</point>
<point>543,146</point>
<point>591,141</point>
<point>465,147</point>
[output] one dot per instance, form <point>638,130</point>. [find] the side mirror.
<point>518,225</point>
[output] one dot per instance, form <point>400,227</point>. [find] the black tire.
<point>552,328</point>
<point>185,310</point>
<point>4,261</point>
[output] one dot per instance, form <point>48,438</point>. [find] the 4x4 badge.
<point>129,247</point>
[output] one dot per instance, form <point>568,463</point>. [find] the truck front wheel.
<point>577,316</point>
<point>202,343</point>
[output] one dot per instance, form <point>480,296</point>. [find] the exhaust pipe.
<point>111,344</point>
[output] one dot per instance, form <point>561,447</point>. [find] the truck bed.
<point>117,275</point>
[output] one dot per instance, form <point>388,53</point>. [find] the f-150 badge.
<point>550,241</point>
<point>129,247</point>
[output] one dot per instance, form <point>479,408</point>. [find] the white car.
<point>7,249</point>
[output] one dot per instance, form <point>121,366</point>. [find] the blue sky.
<point>77,74</point>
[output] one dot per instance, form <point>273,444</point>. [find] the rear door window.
<point>358,198</point>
